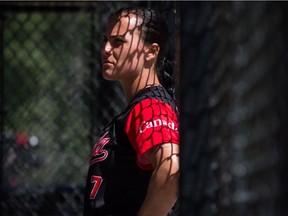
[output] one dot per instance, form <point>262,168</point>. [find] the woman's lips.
<point>107,63</point>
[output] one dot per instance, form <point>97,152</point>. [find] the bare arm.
<point>163,186</point>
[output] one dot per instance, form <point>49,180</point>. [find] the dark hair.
<point>155,30</point>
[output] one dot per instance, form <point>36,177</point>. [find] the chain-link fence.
<point>233,108</point>
<point>53,99</point>
<point>247,117</point>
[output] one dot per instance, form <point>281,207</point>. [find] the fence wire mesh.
<point>247,108</point>
<point>233,107</point>
<point>52,94</point>
<point>53,100</point>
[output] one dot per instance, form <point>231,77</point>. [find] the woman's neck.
<point>132,87</point>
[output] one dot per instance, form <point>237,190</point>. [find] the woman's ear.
<point>152,51</point>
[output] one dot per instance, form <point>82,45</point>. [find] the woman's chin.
<point>108,76</point>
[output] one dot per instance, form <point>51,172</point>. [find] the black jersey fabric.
<point>113,173</point>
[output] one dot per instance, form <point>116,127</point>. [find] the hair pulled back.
<point>155,30</point>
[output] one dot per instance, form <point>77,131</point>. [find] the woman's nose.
<point>107,48</point>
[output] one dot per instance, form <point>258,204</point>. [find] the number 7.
<point>96,180</point>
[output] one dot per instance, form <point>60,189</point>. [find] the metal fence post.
<point>195,72</point>
<point>2,114</point>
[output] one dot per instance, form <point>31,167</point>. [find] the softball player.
<point>134,165</point>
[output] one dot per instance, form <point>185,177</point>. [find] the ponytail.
<point>166,72</point>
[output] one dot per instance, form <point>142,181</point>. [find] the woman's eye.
<point>114,41</point>
<point>117,41</point>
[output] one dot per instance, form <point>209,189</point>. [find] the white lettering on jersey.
<point>156,123</point>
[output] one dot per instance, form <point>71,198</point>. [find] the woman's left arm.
<point>163,186</point>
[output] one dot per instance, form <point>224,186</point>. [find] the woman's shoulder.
<point>153,95</point>
<point>150,100</point>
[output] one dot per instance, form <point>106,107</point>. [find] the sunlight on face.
<point>123,48</point>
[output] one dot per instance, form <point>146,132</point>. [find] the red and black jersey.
<point>119,173</point>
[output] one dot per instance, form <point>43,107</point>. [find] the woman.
<point>134,167</point>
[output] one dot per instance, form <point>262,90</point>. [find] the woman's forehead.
<point>120,25</point>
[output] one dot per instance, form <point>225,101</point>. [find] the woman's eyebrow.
<point>122,37</point>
